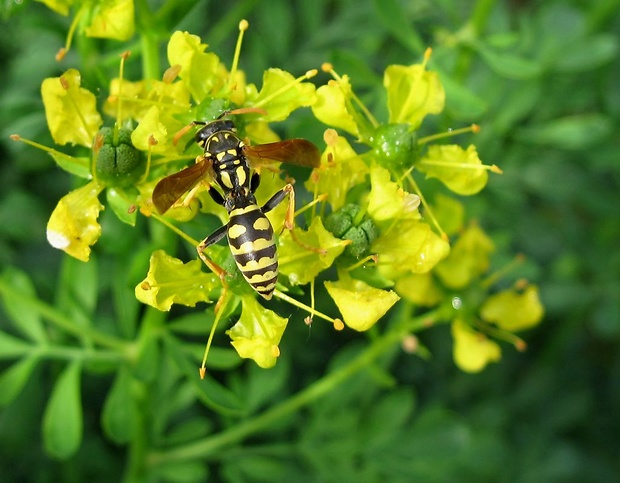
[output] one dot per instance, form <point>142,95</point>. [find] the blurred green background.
<point>542,79</point>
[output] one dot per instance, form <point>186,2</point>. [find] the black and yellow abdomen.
<point>252,243</point>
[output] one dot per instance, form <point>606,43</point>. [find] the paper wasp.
<point>227,161</point>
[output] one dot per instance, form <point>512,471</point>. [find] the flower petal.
<point>73,225</point>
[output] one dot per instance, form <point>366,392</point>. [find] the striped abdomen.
<point>252,243</point>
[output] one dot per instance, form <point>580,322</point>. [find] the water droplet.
<point>457,303</point>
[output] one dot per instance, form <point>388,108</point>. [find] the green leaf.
<point>62,421</point>
<point>509,65</point>
<point>462,102</point>
<point>571,132</point>
<point>264,387</point>
<point>396,20</point>
<point>360,304</point>
<point>412,93</point>
<point>459,169</point>
<point>70,110</point>
<point>119,410</point>
<point>73,225</point>
<point>78,290</point>
<point>21,311</point>
<point>210,392</point>
<point>588,53</point>
<point>171,281</point>
<point>182,472</point>
<point>148,357</point>
<point>197,323</point>
<point>15,377</point>
<point>12,347</point>
<point>301,264</point>
<point>387,417</point>
<point>112,19</point>
<point>257,333</point>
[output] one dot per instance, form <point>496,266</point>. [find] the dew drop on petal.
<point>457,303</point>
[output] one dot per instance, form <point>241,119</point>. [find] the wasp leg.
<point>216,196</point>
<point>275,200</point>
<point>289,220</point>
<point>214,237</point>
<point>254,182</point>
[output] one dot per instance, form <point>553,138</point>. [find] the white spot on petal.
<point>57,240</point>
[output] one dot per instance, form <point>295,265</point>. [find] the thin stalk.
<point>63,322</point>
<point>214,444</point>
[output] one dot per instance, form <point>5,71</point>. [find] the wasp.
<point>230,164</point>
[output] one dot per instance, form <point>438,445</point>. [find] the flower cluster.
<point>368,223</point>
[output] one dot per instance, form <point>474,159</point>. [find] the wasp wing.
<point>292,151</point>
<point>172,187</point>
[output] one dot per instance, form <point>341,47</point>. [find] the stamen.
<point>474,128</point>
<point>303,306</point>
<point>427,209</point>
<point>308,75</point>
<point>76,20</point>
<point>121,71</point>
<point>219,310</point>
<point>243,26</point>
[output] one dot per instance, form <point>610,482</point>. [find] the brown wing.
<point>293,151</point>
<point>172,187</point>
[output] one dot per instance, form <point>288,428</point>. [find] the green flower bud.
<point>345,224</point>
<point>121,164</point>
<point>394,145</point>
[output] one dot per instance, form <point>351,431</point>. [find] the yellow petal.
<point>73,226</point>
<point>70,110</point>
<point>472,350</point>
<point>360,304</point>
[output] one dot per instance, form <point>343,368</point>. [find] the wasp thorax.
<point>215,127</point>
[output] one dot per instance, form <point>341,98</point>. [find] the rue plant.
<point>393,258</point>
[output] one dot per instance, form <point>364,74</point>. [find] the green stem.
<point>477,24</point>
<point>214,444</point>
<point>148,41</point>
<point>62,321</point>
<point>77,354</point>
<point>138,446</point>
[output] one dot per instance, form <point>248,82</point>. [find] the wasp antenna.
<point>181,132</point>
<point>245,110</point>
